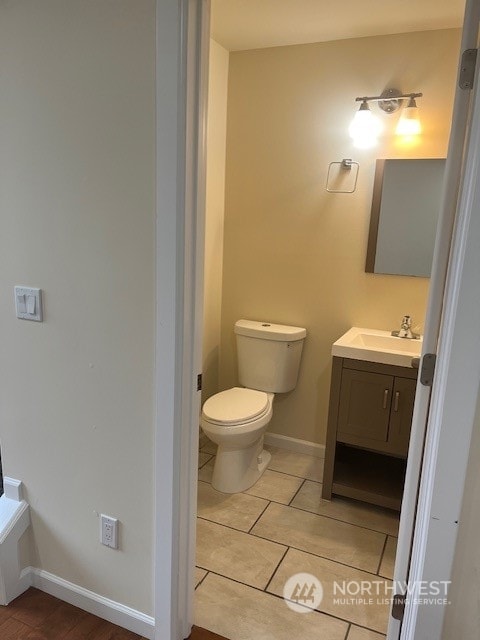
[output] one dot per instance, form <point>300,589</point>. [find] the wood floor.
<point>38,616</point>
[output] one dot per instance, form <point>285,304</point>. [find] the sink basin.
<point>375,345</point>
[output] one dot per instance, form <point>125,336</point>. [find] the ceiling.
<point>257,24</point>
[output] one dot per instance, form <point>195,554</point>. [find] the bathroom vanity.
<point>372,395</point>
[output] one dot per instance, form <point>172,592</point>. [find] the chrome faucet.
<point>405,330</point>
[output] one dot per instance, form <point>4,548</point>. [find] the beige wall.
<point>294,253</point>
<point>77,178</point>
<point>462,620</point>
<point>214,215</point>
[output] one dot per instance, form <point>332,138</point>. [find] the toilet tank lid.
<point>269,331</point>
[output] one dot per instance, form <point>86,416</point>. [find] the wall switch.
<point>109,531</point>
<point>28,303</point>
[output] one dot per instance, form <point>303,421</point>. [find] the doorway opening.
<point>286,251</point>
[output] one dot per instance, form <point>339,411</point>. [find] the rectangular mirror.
<point>403,222</point>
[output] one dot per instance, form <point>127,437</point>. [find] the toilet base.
<point>236,469</point>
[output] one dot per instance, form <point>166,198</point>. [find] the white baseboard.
<point>294,444</point>
<point>100,606</point>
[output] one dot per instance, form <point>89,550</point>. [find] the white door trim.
<point>182,28</point>
<point>170,241</point>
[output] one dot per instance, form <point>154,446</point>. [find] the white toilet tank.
<point>268,355</point>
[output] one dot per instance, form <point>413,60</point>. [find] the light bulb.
<point>409,123</point>
<point>365,127</point>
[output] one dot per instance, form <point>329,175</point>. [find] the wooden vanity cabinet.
<point>370,416</point>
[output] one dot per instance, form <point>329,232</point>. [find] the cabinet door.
<point>364,409</point>
<point>401,415</point>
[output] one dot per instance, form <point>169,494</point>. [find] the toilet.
<point>268,363</point>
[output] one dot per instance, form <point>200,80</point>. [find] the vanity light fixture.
<point>366,127</point>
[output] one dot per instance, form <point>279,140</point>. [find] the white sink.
<point>375,345</point>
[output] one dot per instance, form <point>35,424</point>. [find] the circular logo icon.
<point>303,592</point>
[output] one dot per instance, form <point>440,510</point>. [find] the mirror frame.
<point>375,216</point>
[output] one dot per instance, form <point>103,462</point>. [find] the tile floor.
<point>249,544</point>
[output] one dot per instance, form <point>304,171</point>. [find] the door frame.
<point>182,46</point>
<point>182,43</point>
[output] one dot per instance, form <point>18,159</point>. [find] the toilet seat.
<point>237,406</point>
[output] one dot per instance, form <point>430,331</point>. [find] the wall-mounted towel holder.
<point>342,176</point>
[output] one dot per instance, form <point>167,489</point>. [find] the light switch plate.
<point>28,303</point>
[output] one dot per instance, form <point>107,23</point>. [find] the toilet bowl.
<point>236,421</point>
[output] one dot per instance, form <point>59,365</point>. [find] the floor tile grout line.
<point>289,475</point>
<point>320,515</point>
<point>275,448</point>
<point>294,475</point>
<point>275,595</point>
<point>289,546</point>
<point>381,555</point>
<point>246,532</point>
<point>297,492</point>
<point>244,584</point>
<point>316,555</point>
<point>284,473</point>
<point>315,513</point>
<point>206,574</point>
<point>253,495</point>
<point>276,568</point>
<point>206,461</point>
<point>247,491</point>
<point>285,504</point>
<point>361,626</point>
<point>241,493</point>
<point>269,503</point>
<point>348,631</point>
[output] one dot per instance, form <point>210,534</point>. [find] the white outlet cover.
<point>28,303</point>
<point>109,531</point>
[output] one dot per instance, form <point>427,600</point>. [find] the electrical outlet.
<point>109,531</point>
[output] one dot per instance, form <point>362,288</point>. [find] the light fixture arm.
<point>403,96</point>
